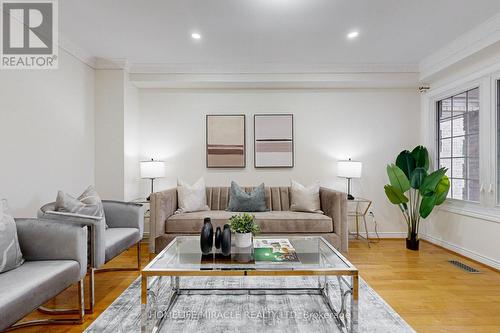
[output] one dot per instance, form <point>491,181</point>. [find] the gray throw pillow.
<point>10,252</point>
<point>240,201</point>
<point>88,203</point>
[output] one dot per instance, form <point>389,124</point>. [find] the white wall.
<point>109,133</point>
<point>117,135</point>
<point>367,125</point>
<point>131,144</point>
<point>476,238</point>
<point>46,133</point>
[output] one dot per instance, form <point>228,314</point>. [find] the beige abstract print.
<point>225,141</point>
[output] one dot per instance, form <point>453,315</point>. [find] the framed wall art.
<point>273,144</point>
<point>225,141</point>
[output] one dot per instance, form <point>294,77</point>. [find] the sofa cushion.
<point>30,285</point>
<point>270,222</point>
<point>118,240</point>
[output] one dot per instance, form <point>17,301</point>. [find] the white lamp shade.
<point>349,169</point>
<point>152,169</point>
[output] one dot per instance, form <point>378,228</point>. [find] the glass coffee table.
<point>182,258</point>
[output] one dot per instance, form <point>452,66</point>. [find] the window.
<point>498,139</point>
<point>458,143</point>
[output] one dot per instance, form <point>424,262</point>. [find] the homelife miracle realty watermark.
<point>29,34</point>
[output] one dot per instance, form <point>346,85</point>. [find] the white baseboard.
<point>387,234</point>
<point>463,251</point>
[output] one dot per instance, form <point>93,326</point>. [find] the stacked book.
<point>274,250</point>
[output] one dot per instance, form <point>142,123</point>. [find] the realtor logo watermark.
<point>29,34</point>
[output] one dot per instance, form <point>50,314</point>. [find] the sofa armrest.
<point>96,231</point>
<point>42,239</point>
<point>121,214</point>
<point>163,205</point>
<point>334,204</point>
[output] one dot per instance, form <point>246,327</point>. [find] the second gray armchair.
<point>125,229</point>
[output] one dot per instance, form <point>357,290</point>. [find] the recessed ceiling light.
<point>352,34</point>
<point>195,35</point>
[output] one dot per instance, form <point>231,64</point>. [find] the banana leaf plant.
<point>415,190</point>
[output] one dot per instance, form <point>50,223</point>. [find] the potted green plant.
<point>415,190</point>
<point>244,227</point>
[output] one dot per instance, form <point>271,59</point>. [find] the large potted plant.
<point>244,227</point>
<point>415,190</point>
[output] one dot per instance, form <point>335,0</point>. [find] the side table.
<point>147,214</point>
<point>359,208</point>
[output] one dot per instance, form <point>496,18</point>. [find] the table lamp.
<point>349,169</point>
<point>151,170</point>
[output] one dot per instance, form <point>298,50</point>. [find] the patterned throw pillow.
<point>241,201</point>
<point>88,203</point>
<point>192,198</point>
<point>305,199</point>
<point>10,252</point>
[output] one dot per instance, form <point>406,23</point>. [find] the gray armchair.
<point>125,228</point>
<point>55,258</point>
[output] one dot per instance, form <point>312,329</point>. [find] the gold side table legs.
<point>358,235</point>
<point>358,213</point>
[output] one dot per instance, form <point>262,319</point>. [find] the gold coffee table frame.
<point>347,275</point>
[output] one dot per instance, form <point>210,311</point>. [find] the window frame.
<point>438,140</point>
<point>494,138</point>
<point>487,208</point>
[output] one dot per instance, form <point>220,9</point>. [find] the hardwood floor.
<point>108,286</point>
<point>428,292</point>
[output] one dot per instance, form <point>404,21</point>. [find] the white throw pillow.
<point>10,251</point>
<point>191,198</point>
<point>305,199</point>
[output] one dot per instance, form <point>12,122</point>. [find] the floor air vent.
<point>463,266</point>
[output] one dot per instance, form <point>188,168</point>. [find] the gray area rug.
<point>229,312</point>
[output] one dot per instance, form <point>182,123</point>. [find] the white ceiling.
<point>250,32</point>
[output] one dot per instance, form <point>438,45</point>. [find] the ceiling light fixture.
<point>195,35</point>
<point>352,34</point>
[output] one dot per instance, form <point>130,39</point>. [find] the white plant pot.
<point>243,240</point>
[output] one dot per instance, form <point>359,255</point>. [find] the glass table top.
<point>183,254</point>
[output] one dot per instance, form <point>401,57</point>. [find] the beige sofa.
<point>332,225</point>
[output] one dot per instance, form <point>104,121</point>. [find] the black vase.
<point>206,236</point>
<point>218,236</point>
<point>226,240</point>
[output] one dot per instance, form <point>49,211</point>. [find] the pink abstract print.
<point>273,141</point>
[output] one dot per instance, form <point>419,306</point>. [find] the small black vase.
<point>218,236</point>
<point>226,240</point>
<point>206,236</point>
